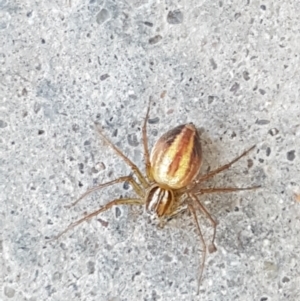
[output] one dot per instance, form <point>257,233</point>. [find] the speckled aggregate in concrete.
<point>231,67</point>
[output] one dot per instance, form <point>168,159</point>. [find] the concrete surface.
<point>231,67</point>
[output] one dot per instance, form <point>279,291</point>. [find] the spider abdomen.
<point>176,157</point>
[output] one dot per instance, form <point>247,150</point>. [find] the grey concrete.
<point>232,68</point>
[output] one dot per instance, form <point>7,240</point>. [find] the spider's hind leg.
<point>224,167</point>
<point>134,168</point>
<point>134,184</point>
<point>145,144</point>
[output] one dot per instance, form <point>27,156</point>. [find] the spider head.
<point>159,201</point>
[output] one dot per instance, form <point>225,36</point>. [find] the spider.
<point>172,183</point>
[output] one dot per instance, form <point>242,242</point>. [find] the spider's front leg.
<point>116,202</point>
<point>212,248</point>
<point>126,201</point>
<point>193,212</point>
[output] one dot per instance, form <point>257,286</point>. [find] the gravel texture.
<point>230,67</point>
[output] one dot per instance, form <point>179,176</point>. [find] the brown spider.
<point>172,182</point>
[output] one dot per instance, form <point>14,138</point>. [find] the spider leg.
<point>126,201</point>
<point>145,144</point>
<point>212,248</point>
<point>224,189</point>
<point>224,167</point>
<point>170,215</point>
<point>129,179</point>
<point>193,211</point>
<point>134,168</point>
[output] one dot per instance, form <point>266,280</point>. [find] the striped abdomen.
<point>176,157</point>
